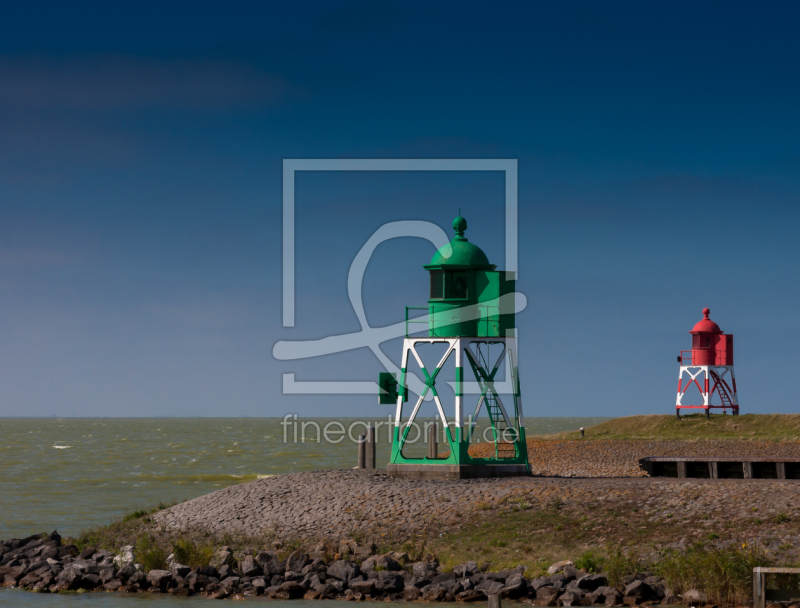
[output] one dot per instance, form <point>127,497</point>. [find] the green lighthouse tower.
<point>471,312</point>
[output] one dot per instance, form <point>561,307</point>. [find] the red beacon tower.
<point>709,361</point>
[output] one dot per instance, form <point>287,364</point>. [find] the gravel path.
<point>337,504</point>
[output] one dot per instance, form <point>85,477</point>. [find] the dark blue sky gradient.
<point>141,152</point>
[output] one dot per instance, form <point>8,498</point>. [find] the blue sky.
<point>140,193</point>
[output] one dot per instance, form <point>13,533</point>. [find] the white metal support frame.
<point>457,346</point>
<point>701,376</point>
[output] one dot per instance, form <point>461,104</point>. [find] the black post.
<point>362,451</point>
<point>433,448</point>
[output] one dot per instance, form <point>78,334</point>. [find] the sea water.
<point>73,474</point>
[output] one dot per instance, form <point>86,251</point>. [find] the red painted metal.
<point>711,347</point>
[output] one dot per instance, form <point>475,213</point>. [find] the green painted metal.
<point>387,383</point>
<point>461,276</point>
<point>465,302</point>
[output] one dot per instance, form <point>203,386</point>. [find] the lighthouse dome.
<point>706,325</point>
<point>459,251</point>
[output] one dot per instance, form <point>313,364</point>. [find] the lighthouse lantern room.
<point>708,366</point>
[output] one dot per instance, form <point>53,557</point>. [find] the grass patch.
<point>762,427</point>
<point>150,554</point>
<point>725,575</point>
<point>190,553</point>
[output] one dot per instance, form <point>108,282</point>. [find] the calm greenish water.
<point>71,474</point>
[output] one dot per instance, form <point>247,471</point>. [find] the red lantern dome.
<point>706,325</point>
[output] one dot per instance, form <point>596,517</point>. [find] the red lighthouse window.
<point>701,341</point>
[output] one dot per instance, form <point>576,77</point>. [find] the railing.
<point>686,356</point>
<point>419,320</point>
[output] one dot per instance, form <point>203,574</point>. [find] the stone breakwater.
<point>40,563</point>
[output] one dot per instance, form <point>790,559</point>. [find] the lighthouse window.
<point>437,284</point>
<point>456,285</point>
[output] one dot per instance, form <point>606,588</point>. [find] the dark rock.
<point>69,579</point>
<point>250,567</point>
<point>570,598</point>
<point>363,587</point>
<point>424,569</point>
<point>112,585</point>
<point>126,572</point>
<point>225,571</point>
<point>182,592</point>
<point>612,596</point>
<point>292,589</point>
<point>138,578</point>
<point>88,552</point>
<point>316,565</point>
<point>91,581</point>
<point>29,580</point>
<point>222,557</point>
<point>391,582</point>
<point>159,579</point>
<point>297,561</point>
<point>179,570</point>
<point>231,582</point>
<point>570,572</point>
<point>441,578</point>
<point>338,586</point>
<point>365,550</point>
<point>434,594</point>
<point>293,576</point>
<point>515,587</point>
<point>342,570</point>
<point>546,596</point>
<point>641,591</point>
<point>106,574</point>
<point>272,566</point>
<point>411,593</point>
<point>325,591</point>
<point>500,576</point>
<point>209,571</point>
<point>466,570</point>
<point>419,581</point>
<point>589,582</point>
<point>197,582</point>
<point>276,580</point>
<point>490,587</point>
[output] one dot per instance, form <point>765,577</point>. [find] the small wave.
<point>62,447</point>
<point>200,478</point>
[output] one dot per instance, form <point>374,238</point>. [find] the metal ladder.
<point>724,396</point>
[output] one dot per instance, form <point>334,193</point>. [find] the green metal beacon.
<point>471,311</point>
